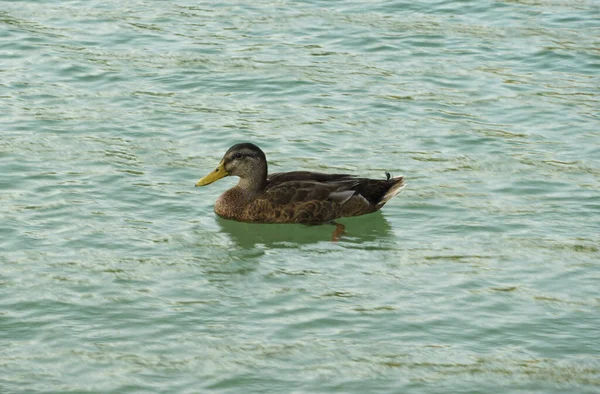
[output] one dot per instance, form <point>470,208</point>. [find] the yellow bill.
<point>213,176</point>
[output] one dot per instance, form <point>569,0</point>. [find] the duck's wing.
<point>323,200</point>
<point>290,187</point>
<point>297,191</point>
<point>299,202</point>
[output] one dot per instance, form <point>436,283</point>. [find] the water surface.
<point>116,276</point>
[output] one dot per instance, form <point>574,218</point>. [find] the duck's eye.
<point>237,156</point>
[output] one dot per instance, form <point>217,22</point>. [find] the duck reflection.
<point>363,229</point>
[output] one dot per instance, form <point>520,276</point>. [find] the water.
<point>116,276</point>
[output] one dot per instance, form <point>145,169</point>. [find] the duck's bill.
<point>213,176</point>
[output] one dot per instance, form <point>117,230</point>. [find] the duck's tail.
<point>397,184</point>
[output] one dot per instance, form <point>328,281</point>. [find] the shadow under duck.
<point>293,197</point>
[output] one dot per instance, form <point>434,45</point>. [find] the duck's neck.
<point>254,183</point>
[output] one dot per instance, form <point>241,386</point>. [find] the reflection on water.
<point>362,229</point>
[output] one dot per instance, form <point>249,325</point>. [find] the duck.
<point>293,197</point>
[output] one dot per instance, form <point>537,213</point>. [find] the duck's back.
<point>280,177</point>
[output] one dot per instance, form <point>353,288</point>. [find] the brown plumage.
<point>293,197</point>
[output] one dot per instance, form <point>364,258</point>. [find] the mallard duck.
<point>293,197</point>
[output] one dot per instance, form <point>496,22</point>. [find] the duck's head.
<point>245,160</point>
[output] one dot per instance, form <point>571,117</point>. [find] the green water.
<point>481,277</point>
